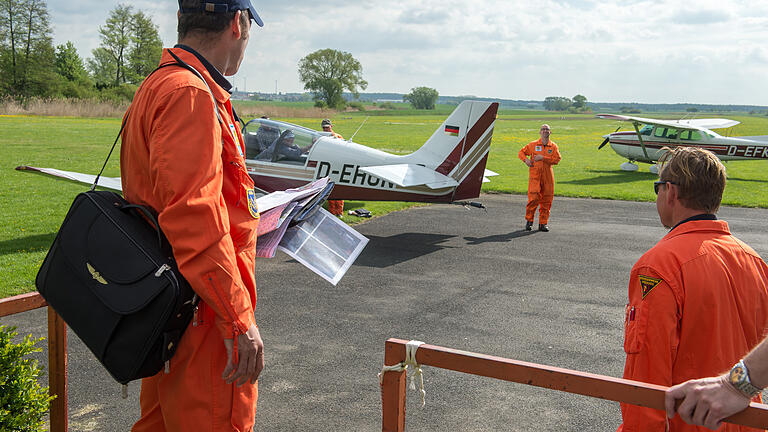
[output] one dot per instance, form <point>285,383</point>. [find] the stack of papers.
<point>321,242</point>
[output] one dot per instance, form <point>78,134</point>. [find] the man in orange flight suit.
<point>698,300</point>
<point>182,155</point>
<point>335,207</point>
<point>543,154</point>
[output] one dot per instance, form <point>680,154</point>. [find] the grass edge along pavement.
<point>33,206</point>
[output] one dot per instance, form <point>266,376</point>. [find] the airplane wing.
<point>87,179</point>
<point>407,175</point>
<point>692,124</point>
<point>715,123</point>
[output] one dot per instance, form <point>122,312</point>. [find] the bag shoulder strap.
<point>181,63</point>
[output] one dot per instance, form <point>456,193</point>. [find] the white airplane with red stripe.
<point>645,143</point>
<point>449,167</point>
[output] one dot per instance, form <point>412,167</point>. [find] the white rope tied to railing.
<point>410,360</point>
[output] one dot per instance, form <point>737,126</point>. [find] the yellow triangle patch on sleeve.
<point>647,284</point>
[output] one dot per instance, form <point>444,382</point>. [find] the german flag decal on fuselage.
<point>452,130</point>
<point>647,284</point>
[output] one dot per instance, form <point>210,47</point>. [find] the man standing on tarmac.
<point>182,155</point>
<point>335,207</point>
<point>698,300</point>
<point>543,154</point>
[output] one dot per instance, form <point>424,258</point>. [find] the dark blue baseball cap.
<point>224,6</point>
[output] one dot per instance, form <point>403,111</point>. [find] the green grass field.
<point>33,206</point>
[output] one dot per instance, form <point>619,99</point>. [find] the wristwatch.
<point>739,378</point>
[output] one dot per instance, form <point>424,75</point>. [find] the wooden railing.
<point>57,353</point>
<point>587,384</point>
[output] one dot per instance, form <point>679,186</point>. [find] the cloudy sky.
<point>648,51</point>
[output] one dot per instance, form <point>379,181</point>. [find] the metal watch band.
<point>743,384</point>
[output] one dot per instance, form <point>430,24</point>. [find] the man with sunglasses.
<point>698,300</point>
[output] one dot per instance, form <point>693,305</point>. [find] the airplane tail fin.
<point>459,147</point>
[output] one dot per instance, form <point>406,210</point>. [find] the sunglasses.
<point>656,185</point>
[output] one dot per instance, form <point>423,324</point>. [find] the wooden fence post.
<point>57,370</point>
<point>393,390</point>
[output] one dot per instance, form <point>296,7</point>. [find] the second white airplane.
<point>645,143</point>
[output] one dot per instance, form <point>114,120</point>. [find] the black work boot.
<point>543,227</point>
<point>528,225</point>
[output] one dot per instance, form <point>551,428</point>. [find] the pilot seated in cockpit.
<point>288,150</point>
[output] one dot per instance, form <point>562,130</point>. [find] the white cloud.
<point>708,51</point>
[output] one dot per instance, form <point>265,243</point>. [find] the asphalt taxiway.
<point>448,276</point>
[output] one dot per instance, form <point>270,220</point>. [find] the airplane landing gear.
<point>654,169</point>
<point>629,166</point>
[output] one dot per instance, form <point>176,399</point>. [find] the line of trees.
<point>30,66</point>
<point>422,98</point>
<point>560,103</point>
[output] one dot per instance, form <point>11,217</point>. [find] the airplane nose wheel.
<point>629,166</point>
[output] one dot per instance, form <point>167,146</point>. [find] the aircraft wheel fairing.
<point>628,166</point>
<point>654,169</point>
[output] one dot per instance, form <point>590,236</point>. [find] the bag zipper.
<point>162,268</point>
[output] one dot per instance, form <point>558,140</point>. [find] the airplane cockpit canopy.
<point>274,141</point>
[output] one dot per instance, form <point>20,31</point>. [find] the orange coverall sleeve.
<point>187,173</point>
<point>651,339</point>
<point>524,152</point>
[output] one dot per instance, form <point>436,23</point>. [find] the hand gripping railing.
<point>587,384</point>
<point>57,353</point>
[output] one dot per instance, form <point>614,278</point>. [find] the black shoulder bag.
<point>111,275</point>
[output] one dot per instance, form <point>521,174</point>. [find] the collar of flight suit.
<point>702,216</point>
<point>215,74</point>
<point>698,225</point>
<point>221,95</point>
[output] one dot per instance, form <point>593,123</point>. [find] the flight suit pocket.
<point>633,328</point>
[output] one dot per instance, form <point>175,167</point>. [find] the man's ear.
<point>235,25</point>
<point>673,193</point>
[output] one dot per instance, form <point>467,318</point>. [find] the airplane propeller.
<point>607,138</point>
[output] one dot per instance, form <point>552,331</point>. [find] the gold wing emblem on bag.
<point>95,274</point>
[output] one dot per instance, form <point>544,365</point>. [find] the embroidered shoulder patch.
<point>252,206</point>
<point>647,284</point>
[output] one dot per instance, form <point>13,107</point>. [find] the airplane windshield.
<point>646,130</point>
<point>274,141</point>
